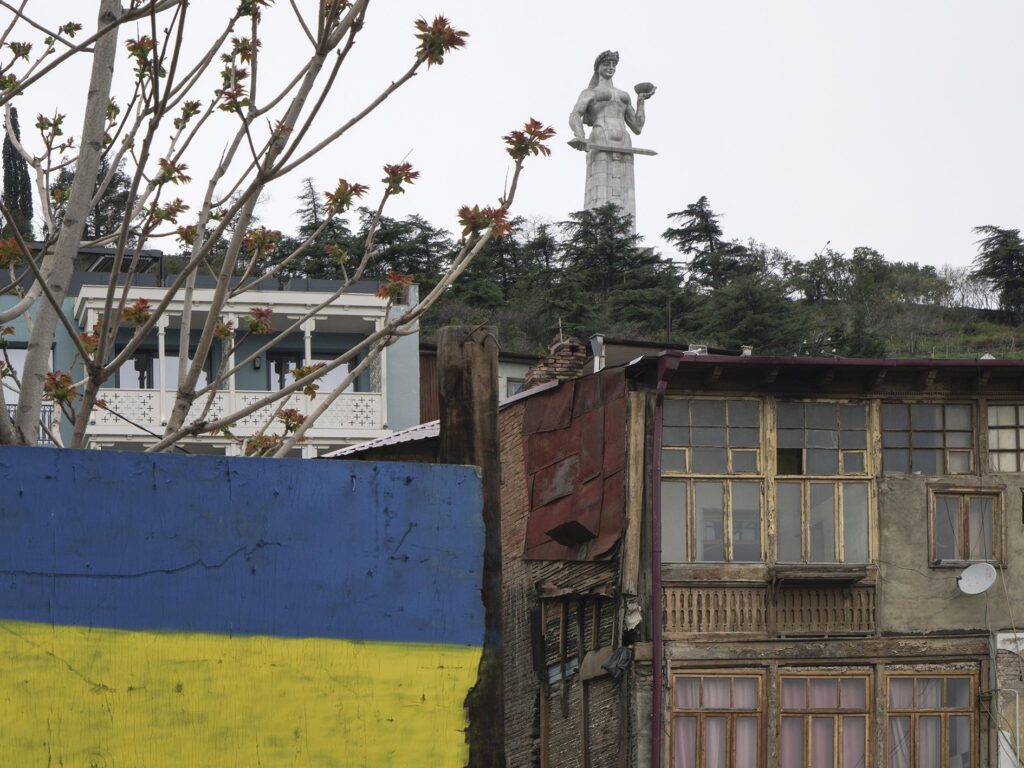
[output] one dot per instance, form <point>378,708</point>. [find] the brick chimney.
<point>564,361</point>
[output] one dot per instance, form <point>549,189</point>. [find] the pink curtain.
<point>822,742</point>
<point>716,692</point>
<point>929,742</point>
<point>899,742</point>
<point>684,748</point>
<point>901,692</point>
<point>744,693</point>
<point>851,693</point>
<point>716,747</point>
<point>824,693</point>
<point>791,750</point>
<point>929,692</point>
<point>746,742</point>
<point>688,692</point>
<point>794,693</point>
<point>853,741</point>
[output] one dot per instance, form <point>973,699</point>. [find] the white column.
<point>307,338</point>
<point>161,350</point>
<point>383,377</point>
<point>229,318</point>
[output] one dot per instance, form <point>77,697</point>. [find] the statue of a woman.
<point>609,111</point>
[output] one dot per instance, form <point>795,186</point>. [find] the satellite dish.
<point>976,578</point>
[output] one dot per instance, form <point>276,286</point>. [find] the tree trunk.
<point>37,359</point>
<point>468,387</point>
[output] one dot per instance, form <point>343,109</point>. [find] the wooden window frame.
<point>945,448</point>
<point>837,713</point>
<point>1016,428</point>
<point>761,713</point>
<point>944,713</point>
<point>998,524</point>
<point>837,483</point>
<point>758,472</point>
<point>727,512</point>
<point>866,450</point>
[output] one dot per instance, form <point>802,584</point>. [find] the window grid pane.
<point>1006,438</point>
<point>810,435</point>
<point>928,430</point>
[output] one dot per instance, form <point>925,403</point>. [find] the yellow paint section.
<point>83,697</point>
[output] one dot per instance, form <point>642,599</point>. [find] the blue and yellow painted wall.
<point>193,611</point>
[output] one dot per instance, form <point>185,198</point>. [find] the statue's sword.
<point>588,146</point>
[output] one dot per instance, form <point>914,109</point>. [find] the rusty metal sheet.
<point>539,545</point>
<point>591,444</point>
<point>550,411</point>
<point>613,384</point>
<point>613,515</point>
<point>614,436</point>
<point>546,448</point>
<point>554,482</point>
<point>588,395</point>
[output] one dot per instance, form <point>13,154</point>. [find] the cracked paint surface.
<point>163,610</point>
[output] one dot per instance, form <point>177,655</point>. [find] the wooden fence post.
<point>467,371</point>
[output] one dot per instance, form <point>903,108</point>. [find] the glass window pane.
<point>673,522</point>
<point>1002,416</point>
<point>789,461</point>
<point>824,693</point>
<point>708,413</point>
<point>925,416</point>
<point>959,741</point>
<point>853,462</point>
<point>1002,439</point>
<point>823,523</point>
<point>791,750</point>
<point>710,522</point>
<point>684,747</point>
<point>794,693</point>
<point>788,502</point>
<point>929,692</point>
<point>854,741</point>
<point>709,461</point>
<point>947,527</point>
<point>979,529</point>
<point>958,692</point>
<point>958,417</point>
<point>790,415</point>
<point>929,741</point>
<point>895,439</point>
<point>927,462</point>
<point>852,416</point>
<point>744,437</point>
<point>675,436</point>
<point>822,438</point>
<point>855,522</point>
<point>744,461</point>
<point>853,438</point>
<point>744,693</point>
<point>746,741</point>
<point>791,438</point>
<point>709,436</point>
<point>743,413</point>
<point>821,462</point>
<point>821,415</point>
<point>851,693</point>
<point>687,692</point>
<point>1003,462</point>
<point>715,742</point>
<point>901,692</point>
<point>676,413</point>
<point>822,741</point>
<point>673,461</point>
<point>899,742</point>
<point>927,439</point>
<point>895,416</point>
<point>716,693</point>
<point>958,440</point>
<point>896,461</point>
<point>746,522</point>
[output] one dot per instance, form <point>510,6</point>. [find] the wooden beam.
<point>467,373</point>
<point>634,492</point>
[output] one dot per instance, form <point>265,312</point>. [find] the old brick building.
<point>778,542</point>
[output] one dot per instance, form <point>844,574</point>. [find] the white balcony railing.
<point>353,414</point>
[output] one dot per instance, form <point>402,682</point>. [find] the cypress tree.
<point>17,193</point>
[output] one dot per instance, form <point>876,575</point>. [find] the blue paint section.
<point>241,546</point>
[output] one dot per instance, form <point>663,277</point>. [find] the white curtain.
<point>716,746</point>
<point>822,742</point>
<point>929,742</point>
<point>684,749</point>
<point>746,742</point>
<point>792,746</point>
<point>899,742</point>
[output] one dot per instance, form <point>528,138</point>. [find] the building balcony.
<point>45,416</point>
<point>139,414</point>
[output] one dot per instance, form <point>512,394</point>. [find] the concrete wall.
<point>172,611</point>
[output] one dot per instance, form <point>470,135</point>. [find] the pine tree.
<point>712,261</point>
<point>17,192</point>
<point>1000,259</point>
<point>107,215</point>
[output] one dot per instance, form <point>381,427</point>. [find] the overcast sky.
<point>896,125</point>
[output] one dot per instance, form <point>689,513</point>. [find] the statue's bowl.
<point>644,89</point>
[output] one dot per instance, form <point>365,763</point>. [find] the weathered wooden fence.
<point>197,611</point>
